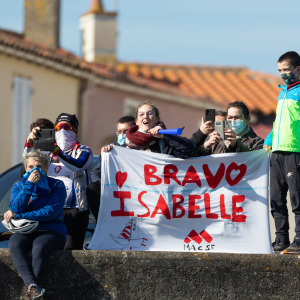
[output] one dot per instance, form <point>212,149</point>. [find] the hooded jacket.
<point>285,135</point>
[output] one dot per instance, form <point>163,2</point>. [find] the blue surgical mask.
<point>238,126</point>
<point>121,139</point>
<point>288,78</point>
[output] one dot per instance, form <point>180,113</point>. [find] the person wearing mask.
<point>239,138</point>
<point>284,142</point>
<point>36,197</point>
<point>71,162</point>
<point>93,189</point>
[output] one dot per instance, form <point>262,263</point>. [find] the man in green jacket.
<point>284,141</point>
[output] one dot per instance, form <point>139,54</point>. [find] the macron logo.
<point>198,237</point>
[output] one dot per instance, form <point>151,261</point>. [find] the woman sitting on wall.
<point>35,198</point>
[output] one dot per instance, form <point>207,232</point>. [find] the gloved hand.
<point>56,150</point>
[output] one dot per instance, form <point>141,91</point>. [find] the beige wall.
<point>53,93</point>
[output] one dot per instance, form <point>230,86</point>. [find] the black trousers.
<point>39,244</point>
<point>76,223</point>
<point>284,177</point>
<point>93,197</point>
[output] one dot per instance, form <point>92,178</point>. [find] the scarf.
<point>41,187</point>
<point>136,139</point>
<point>65,139</point>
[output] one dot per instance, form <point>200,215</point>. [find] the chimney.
<point>99,34</point>
<point>42,21</point>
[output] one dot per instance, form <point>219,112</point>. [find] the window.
<point>21,117</point>
<point>130,107</point>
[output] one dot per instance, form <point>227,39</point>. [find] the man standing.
<point>93,189</point>
<point>284,140</point>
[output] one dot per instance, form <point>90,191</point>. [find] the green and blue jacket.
<point>285,135</point>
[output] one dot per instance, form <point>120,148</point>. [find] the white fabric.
<point>61,172</point>
<point>65,139</point>
<point>240,225</point>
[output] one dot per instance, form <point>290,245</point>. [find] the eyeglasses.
<point>148,113</point>
<point>121,131</point>
<point>65,126</point>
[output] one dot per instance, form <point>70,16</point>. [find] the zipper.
<point>280,120</point>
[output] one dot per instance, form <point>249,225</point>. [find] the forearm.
<point>198,138</point>
<point>20,196</point>
<point>81,163</point>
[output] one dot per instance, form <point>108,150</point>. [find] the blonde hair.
<point>36,154</point>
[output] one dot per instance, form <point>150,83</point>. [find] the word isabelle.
<point>180,209</point>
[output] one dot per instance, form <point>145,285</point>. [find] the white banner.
<point>155,202</point>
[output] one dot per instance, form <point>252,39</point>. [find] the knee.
<point>15,242</point>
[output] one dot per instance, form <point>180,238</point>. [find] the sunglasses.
<point>65,126</point>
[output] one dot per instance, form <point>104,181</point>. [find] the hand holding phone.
<point>45,139</point>
<point>220,126</point>
<point>210,115</point>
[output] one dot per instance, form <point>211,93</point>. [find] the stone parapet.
<point>159,275</point>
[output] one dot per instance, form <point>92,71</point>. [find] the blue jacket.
<point>47,209</point>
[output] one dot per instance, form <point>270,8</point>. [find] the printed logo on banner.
<point>198,238</point>
<point>129,236</point>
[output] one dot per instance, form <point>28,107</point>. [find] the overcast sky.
<point>250,33</point>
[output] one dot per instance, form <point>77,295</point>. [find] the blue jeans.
<point>30,253</point>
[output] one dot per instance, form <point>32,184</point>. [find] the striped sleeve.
<point>82,160</point>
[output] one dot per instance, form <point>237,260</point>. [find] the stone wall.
<point>160,275</point>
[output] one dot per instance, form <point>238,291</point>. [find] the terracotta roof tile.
<point>219,85</point>
<point>211,85</point>
<point>18,42</point>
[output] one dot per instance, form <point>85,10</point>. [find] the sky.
<point>249,33</point>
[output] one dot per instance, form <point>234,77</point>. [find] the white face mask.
<point>65,139</point>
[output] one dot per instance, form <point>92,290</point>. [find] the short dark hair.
<point>43,123</point>
<point>221,113</point>
<point>241,105</point>
<point>291,56</point>
<point>127,119</point>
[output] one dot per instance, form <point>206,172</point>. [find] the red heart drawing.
<point>233,166</point>
<point>121,178</point>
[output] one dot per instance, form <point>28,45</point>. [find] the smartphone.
<point>45,139</point>
<point>219,128</point>
<point>209,115</point>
